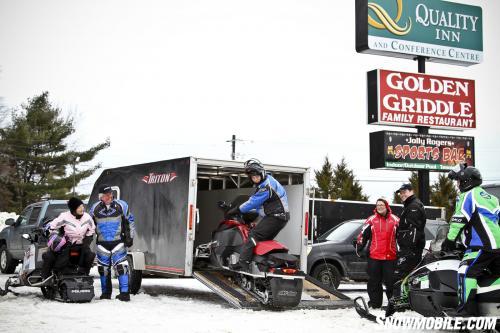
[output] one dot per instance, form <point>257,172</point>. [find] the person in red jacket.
<point>380,230</point>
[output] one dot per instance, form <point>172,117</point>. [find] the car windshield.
<point>53,211</point>
<point>341,232</point>
<point>431,230</point>
<point>441,234</point>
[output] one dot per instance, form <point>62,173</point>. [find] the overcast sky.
<point>166,79</point>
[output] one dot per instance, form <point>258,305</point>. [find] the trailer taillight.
<point>306,228</point>
<point>191,216</point>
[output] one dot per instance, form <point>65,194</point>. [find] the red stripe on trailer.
<point>168,269</point>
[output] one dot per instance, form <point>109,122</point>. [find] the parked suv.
<point>12,245</point>
<point>492,189</point>
<point>334,257</point>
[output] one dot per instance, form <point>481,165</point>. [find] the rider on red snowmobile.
<point>271,202</point>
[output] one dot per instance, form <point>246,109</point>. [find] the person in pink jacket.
<point>71,230</point>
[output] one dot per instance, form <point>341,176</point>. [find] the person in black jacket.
<point>410,236</point>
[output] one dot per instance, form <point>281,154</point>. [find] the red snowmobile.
<point>274,276</point>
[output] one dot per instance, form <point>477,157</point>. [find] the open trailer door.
<point>160,197</point>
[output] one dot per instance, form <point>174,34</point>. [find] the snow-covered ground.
<point>166,305</point>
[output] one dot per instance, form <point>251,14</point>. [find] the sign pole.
<point>423,175</point>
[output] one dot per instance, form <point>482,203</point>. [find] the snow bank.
<point>166,305</point>
<point>4,216</point>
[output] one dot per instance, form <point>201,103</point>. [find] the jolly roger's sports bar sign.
<point>442,31</point>
<point>410,99</point>
<point>412,151</point>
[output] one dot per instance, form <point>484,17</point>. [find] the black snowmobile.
<point>431,288</point>
<point>274,275</point>
<point>65,284</point>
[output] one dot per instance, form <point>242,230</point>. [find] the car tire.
<point>327,274</point>
<point>7,263</point>
<point>135,278</point>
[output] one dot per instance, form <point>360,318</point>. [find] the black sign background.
<point>412,151</point>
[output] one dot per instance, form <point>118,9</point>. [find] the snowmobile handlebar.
<point>246,218</point>
<point>35,234</point>
<point>443,254</point>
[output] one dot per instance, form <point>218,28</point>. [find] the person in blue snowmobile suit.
<point>270,201</point>
<point>115,231</point>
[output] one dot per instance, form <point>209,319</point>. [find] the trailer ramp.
<point>223,286</point>
<point>314,294</point>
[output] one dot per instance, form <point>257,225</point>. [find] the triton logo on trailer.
<point>159,178</point>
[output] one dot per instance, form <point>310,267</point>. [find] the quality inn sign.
<point>442,31</point>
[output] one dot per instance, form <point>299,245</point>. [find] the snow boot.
<point>243,266</point>
<point>124,297</point>
<point>105,296</point>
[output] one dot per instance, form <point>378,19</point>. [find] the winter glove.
<point>448,245</point>
<point>87,240</point>
<point>233,211</point>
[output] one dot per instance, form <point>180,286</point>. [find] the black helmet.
<point>254,167</point>
<point>468,176</point>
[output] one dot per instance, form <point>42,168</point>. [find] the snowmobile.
<point>65,284</point>
<point>274,276</point>
<point>431,288</point>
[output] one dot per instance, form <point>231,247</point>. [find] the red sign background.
<point>411,99</point>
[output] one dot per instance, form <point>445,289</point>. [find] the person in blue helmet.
<point>270,200</point>
<point>115,231</point>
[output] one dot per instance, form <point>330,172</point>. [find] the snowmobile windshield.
<point>249,217</point>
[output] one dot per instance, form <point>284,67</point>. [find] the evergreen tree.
<point>6,169</point>
<point>413,180</point>
<point>444,194</point>
<point>34,144</point>
<point>324,179</point>
<point>345,186</point>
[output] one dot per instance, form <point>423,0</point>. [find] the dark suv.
<point>12,245</point>
<point>334,257</point>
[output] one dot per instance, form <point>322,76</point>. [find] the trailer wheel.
<point>7,263</point>
<point>328,275</point>
<point>135,278</point>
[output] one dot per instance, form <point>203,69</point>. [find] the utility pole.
<point>423,175</point>
<point>233,147</point>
